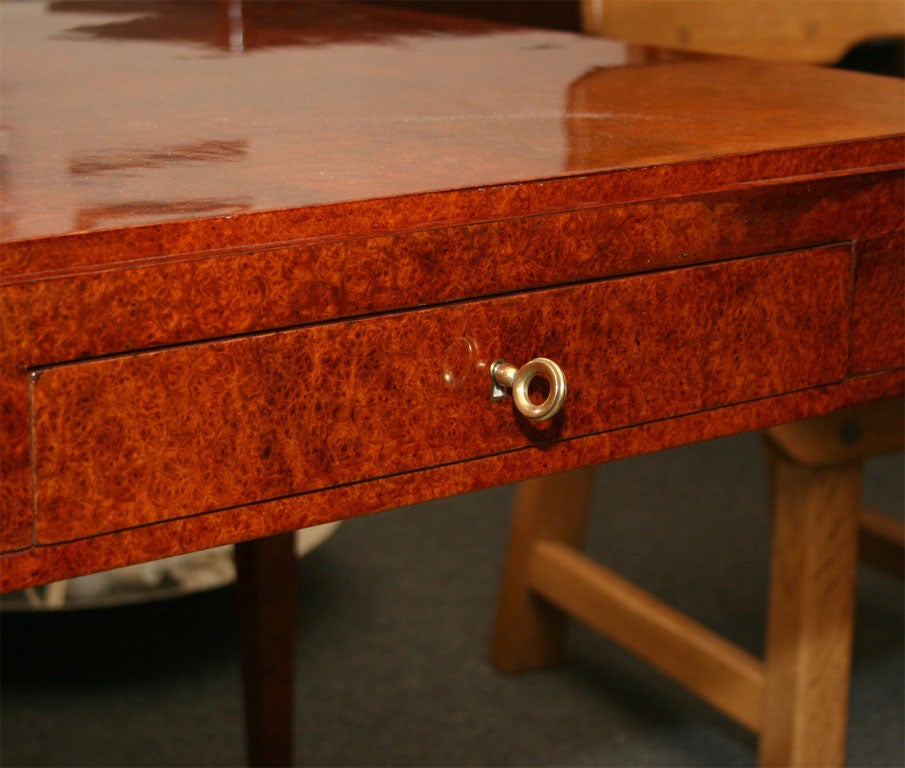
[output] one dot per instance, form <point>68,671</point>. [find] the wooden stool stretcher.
<point>796,698</point>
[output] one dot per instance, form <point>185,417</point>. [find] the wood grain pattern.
<point>806,30</point>
<point>225,294</point>
<point>878,322</point>
<point>136,307</point>
<point>144,222</point>
<point>718,671</point>
<point>813,562</point>
<point>216,165</point>
<point>529,633</point>
<point>142,438</point>
<point>41,564</point>
<point>23,259</point>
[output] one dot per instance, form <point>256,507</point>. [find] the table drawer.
<point>129,440</point>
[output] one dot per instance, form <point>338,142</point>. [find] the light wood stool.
<point>796,698</point>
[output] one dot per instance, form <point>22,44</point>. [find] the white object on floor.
<point>146,582</point>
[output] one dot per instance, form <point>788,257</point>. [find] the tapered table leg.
<point>266,588</point>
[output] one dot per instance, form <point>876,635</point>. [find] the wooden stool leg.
<point>529,631</point>
<point>266,589</point>
<point>811,614</point>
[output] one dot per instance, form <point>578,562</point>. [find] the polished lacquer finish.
<point>258,257</point>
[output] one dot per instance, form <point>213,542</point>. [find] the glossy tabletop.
<point>123,114</point>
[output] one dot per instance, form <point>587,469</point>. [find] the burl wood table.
<point>259,261</point>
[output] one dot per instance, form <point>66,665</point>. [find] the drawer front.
<point>878,317</point>
<point>125,441</point>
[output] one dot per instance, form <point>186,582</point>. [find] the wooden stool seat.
<point>796,698</point>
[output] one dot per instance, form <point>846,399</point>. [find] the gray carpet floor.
<point>395,617</point>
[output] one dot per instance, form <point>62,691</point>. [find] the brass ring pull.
<point>506,376</point>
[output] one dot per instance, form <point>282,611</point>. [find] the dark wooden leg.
<point>266,588</point>
<point>529,630</point>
